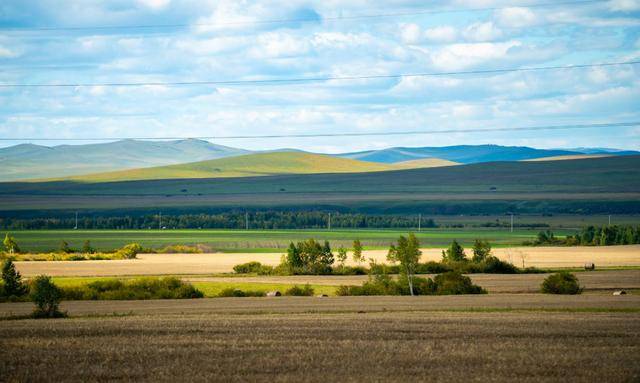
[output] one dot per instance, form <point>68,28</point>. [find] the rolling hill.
<point>27,161</point>
<point>250,165</point>
<point>467,154</point>
<point>570,157</point>
<point>603,185</point>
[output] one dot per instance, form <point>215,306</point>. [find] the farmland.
<point>524,338</point>
<point>262,240</point>
<point>184,264</point>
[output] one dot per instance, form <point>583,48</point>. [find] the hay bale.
<point>322,295</point>
<point>589,266</point>
<point>620,292</point>
<point>274,294</point>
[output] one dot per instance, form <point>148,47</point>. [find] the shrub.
<point>349,270</point>
<point>129,251</point>
<point>46,296</point>
<point>247,268</point>
<point>454,283</point>
<point>231,292</point>
<point>493,265</point>
<point>432,267</point>
<point>135,289</point>
<point>561,283</point>
<point>304,291</point>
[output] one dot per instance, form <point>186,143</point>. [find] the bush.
<point>297,291</point>
<point>561,283</point>
<point>231,292</point>
<point>180,249</point>
<point>46,296</point>
<point>493,265</point>
<point>349,270</point>
<point>443,284</point>
<point>247,268</point>
<point>129,251</point>
<point>454,283</point>
<point>136,289</point>
<point>432,268</point>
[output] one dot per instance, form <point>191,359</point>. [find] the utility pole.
<point>76,227</point>
<point>159,220</point>
<point>512,222</point>
<point>609,219</point>
<point>329,222</point>
<point>419,221</point>
<point>246,221</point>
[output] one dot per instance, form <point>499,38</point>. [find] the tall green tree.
<point>481,250</point>
<point>10,244</point>
<point>407,253</point>
<point>342,255</point>
<point>12,280</point>
<point>357,252</point>
<point>455,253</point>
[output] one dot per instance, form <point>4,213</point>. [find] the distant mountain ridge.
<point>28,161</point>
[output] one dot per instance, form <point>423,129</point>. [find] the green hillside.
<point>251,165</point>
<point>594,185</point>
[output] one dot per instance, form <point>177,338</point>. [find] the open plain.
<point>502,338</point>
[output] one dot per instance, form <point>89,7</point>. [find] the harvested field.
<point>158,264</point>
<point>494,283</point>
<point>289,305</point>
<point>379,346</point>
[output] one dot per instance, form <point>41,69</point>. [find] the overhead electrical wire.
<point>300,19</point>
<point>347,134</point>
<point>312,79</point>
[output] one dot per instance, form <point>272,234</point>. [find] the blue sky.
<point>223,40</point>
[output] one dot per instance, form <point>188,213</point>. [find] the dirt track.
<point>158,264</point>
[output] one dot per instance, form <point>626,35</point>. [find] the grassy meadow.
<point>263,240</point>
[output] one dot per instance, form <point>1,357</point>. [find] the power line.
<point>352,134</point>
<point>315,79</point>
<point>302,19</point>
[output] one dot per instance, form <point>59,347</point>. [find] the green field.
<point>260,240</point>
<point>600,185</point>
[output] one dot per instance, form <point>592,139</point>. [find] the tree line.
<point>237,220</point>
<point>594,236</point>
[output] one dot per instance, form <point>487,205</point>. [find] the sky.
<point>160,41</point>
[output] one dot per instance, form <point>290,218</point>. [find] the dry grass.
<point>435,346</point>
<point>158,264</point>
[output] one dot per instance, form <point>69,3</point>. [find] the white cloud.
<point>442,34</point>
<point>459,56</point>
<point>155,4</point>
<point>516,17</point>
<point>7,53</point>
<point>410,33</point>
<point>624,5</point>
<point>482,32</point>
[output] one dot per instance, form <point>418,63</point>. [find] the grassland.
<point>260,240</point>
<point>250,165</point>
<point>331,339</point>
<point>609,184</point>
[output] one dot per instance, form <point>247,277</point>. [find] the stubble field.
<point>356,340</point>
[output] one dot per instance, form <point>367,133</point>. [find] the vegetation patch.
<point>561,283</point>
<point>132,289</point>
